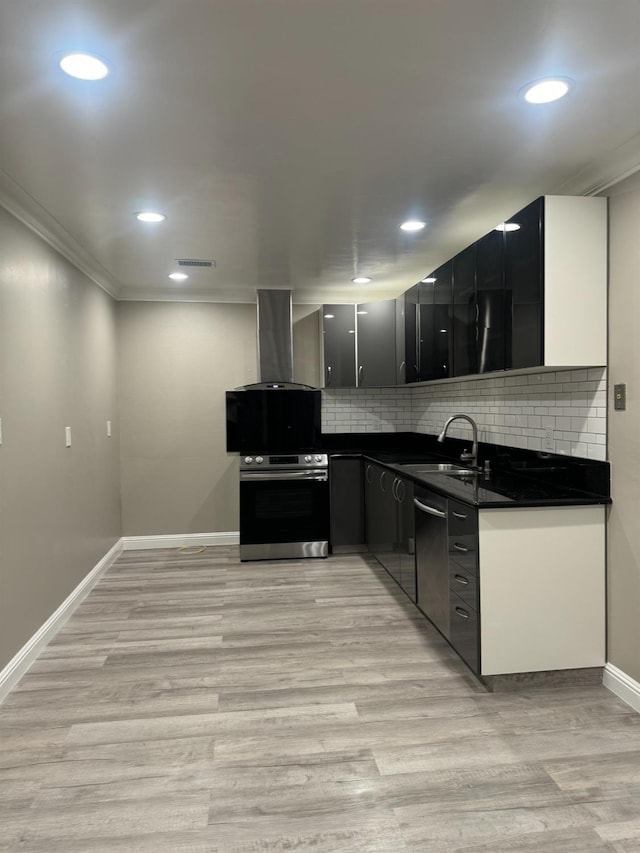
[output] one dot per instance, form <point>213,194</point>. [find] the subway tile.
<point>597,425</point>
<point>597,451</point>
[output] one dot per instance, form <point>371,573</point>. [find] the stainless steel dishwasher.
<point>432,557</point>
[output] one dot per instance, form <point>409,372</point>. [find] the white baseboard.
<point>179,540</point>
<point>625,687</point>
<point>23,659</point>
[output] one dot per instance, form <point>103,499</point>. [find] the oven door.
<point>284,514</point>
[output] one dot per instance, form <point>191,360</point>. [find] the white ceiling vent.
<point>194,262</point>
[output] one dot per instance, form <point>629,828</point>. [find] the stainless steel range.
<point>284,506</point>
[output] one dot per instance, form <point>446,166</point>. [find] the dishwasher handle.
<point>429,509</point>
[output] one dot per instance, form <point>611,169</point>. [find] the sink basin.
<point>437,468</point>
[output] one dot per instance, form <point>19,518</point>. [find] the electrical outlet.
<point>548,442</point>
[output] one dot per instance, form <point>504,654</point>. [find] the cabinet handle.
<point>400,494</point>
<point>462,613</point>
<point>461,579</point>
<point>458,514</point>
<point>328,375</point>
<point>394,488</point>
<point>360,371</point>
<point>383,477</point>
<point>460,547</point>
<point>369,474</point>
<point>430,509</point>
<point>403,369</point>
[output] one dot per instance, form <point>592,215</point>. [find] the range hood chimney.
<point>275,336</point>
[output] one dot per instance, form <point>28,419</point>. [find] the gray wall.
<point>176,360</point>
<point>624,427</point>
<point>59,507</point>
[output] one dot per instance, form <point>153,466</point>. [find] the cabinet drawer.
<point>464,551</point>
<point>463,519</point>
<point>464,633</point>
<point>464,584</point>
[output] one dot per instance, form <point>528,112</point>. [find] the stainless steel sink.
<point>436,468</point>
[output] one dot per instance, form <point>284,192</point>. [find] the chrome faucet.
<point>465,456</point>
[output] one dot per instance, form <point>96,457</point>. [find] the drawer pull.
<point>462,613</point>
<point>460,547</point>
<point>430,509</point>
<point>458,514</point>
<point>461,579</point>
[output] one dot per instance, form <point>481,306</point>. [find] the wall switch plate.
<point>548,442</point>
<point>620,397</point>
<point>108,429</point>
<point>67,436</point>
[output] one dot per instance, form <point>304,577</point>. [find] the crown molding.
<point>26,209</point>
<point>606,171</point>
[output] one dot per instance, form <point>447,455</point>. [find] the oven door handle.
<point>247,477</point>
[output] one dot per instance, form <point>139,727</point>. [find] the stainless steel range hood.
<point>275,343</point>
<point>275,336</point>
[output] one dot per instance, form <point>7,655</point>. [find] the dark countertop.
<point>500,489</point>
<point>518,478</point>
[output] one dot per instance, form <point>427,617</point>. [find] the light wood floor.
<point>195,704</point>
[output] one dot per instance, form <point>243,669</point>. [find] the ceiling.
<point>288,139</point>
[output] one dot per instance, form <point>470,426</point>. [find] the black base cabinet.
<point>464,582</point>
<point>347,505</point>
<point>389,524</point>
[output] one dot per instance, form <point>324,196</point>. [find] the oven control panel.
<point>295,460</point>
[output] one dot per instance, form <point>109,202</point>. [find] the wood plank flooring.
<point>196,704</point>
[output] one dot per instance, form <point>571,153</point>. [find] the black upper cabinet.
<point>442,316</point>
<point>376,343</point>
<point>407,336</point>
<point>339,346</point>
<point>464,313</point>
<point>523,272</point>
<point>490,298</point>
<point>426,325</point>
<point>435,325</point>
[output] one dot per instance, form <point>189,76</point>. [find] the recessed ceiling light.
<point>361,279</point>
<point>149,216</point>
<point>546,90</point>
<point>507,226</point>
<point>178,276</point>
<point>413,225</point>
<point>329,316</point>
<point>84,66</point>
<point>429,280</point>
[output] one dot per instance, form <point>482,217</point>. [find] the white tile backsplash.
<point>510,410</point>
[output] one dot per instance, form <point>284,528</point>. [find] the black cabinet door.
<point>426,325</point>
<point>339,345</point>
<point>442,317</point>
<point>406,537</point>
<point>347,504</point>
<point>376,344</point>
<point>380,515</point>
<point>407,336</point>
<point>490,297</point>
<point>464,313</point>
<point>435,323</point>
<point>524,269</point>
